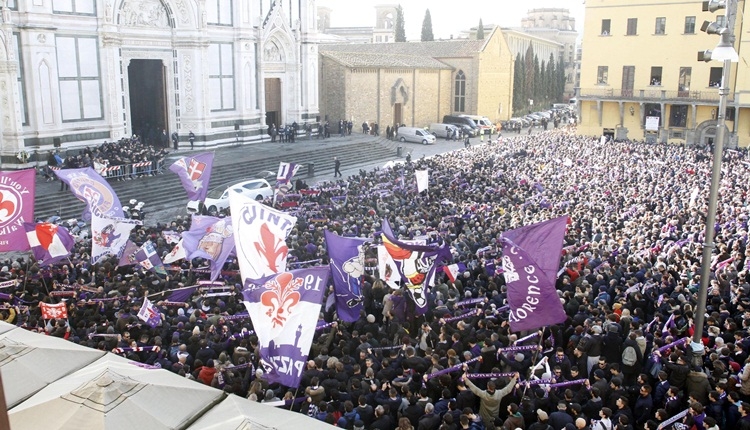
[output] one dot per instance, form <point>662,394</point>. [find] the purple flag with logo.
<point>347,267</point>
<point>416,264</point>
<point>284,308</point>
<point>284,176</point>
<point>128,254</point>
<point>531,257</point>
<point>149,313</point>
<point>147,257</point>
<point>90,188</point>
<point>17,191</point>
<point>210,238</point>
<point>195,173</point>
<point>48,242</point>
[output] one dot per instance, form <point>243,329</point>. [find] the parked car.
<point>483,122</point>
<point>415,134</point>
<point>442,130</point>
<point>461,121</point>
<point>218,198</point>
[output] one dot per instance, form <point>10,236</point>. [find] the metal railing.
<point>710,95</point>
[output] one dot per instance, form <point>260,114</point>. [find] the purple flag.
<point>128,255</point>
<point>347,267</point>
<point>195,173</point>
<point>147,257</point>
<point>531,257</point>
<point>210,238</point>
<point>149,313</point>
<point>284,176</point>
<point>182,294</point>
<point>48,242</point>
<point>416,264</point>
<point>17,191</point>
<point>284,308</point>
<point>90,188</point>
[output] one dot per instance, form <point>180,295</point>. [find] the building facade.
<point>81,72</point>
<point>384,30</point>
<point>640,77</point>
<point>416,83</point>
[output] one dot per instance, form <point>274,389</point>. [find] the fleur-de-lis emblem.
<point>273,249</point>
<point>281,296</point>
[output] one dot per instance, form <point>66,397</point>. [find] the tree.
<point>528,78</point>
<point>480,30</point>
<point>400,31</point>
<point>519,95</point>
<point>427,35</point>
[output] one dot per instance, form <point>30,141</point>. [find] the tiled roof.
<point>437,49</point>
<point>374,59</point>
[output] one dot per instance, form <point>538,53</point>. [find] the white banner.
<point>109,236</point>
<point>423,180</point>
<point>260,236</point>
<point>178,253</point>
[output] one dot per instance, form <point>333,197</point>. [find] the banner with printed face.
<point>347,267</point>
<point>531,257</point>
<point>260,233</point>
<point>284,308</point>
<point>210,238</point>
<point>17,191</point>
<point>109,236</point>
<point>90,188</point>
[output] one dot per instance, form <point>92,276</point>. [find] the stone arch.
<point>399,92</point>
<point>154,13</point>
<point>707,129</point>
<point>278,48</point>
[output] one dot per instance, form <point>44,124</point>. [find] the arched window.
<point>459,99</point>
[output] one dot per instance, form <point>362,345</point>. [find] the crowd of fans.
<point>629,281</point>
<point>125,152</point>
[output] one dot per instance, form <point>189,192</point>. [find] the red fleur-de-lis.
<point>273,249</point>
<point>281,296</point>
<point>7,205</point>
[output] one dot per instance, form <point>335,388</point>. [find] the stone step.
<point>164,191</point>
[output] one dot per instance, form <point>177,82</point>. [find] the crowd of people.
<point>629,281</point>
<point>125,153</point>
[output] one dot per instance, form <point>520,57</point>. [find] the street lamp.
<point>725,53</point>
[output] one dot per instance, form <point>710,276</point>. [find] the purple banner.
<point>90,188</point>
<point>195,173</point>
<point>210,238</point>
<point>531,256</point>
<point>17,191</point>
<point>284,309</point>
<point>452,368</point>
<point>416,264</point>
<point>347,267</point>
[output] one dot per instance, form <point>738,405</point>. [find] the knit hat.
<point>542,415</point>
<point>359,425</point>
<point>371,318</point>
<point>519,357</point>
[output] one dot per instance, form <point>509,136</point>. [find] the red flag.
<point>58,311</point>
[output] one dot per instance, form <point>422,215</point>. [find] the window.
<point>661,25</point>
<point>655,76</point>
<point>80,7</point>
<point>12,5</point>
<point>459,98</point>
<point>605,27</point>
<point>678,116</point>
<point>78,74</point>
<point>219,12</point>
<point>683,87</point>
<point>21,85</point>
<point>602,75</point>
<point>689,25</point>
<point>632,26</point>
<point>714,77</point>
<point>721,20</point>
<point>221,76</point>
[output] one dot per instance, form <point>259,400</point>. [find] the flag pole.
<point>533,360</point>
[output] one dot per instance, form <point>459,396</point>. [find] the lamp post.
<point>724,52</point>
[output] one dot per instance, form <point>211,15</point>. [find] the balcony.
<point>650,95</point>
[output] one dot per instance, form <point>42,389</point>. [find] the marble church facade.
<point>77,73</point>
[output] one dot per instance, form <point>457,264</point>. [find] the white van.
<point>442,130</point>
<point>415,134</point>
<point>483,122</point>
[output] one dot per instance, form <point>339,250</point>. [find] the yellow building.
<point>417,83</point>
<point>641,79</point>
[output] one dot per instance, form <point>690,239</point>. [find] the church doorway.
<point>397,114</point>
<point>148,107</point>
<point>273,102</point>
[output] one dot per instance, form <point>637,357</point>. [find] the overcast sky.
<point>449,17</point>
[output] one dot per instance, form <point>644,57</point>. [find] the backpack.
<point>629,356</point>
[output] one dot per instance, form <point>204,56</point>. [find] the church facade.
<point>80,72</point>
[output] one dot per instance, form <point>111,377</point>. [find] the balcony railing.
<point>710,95</point>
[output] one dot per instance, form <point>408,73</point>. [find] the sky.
<point>449,17</point>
